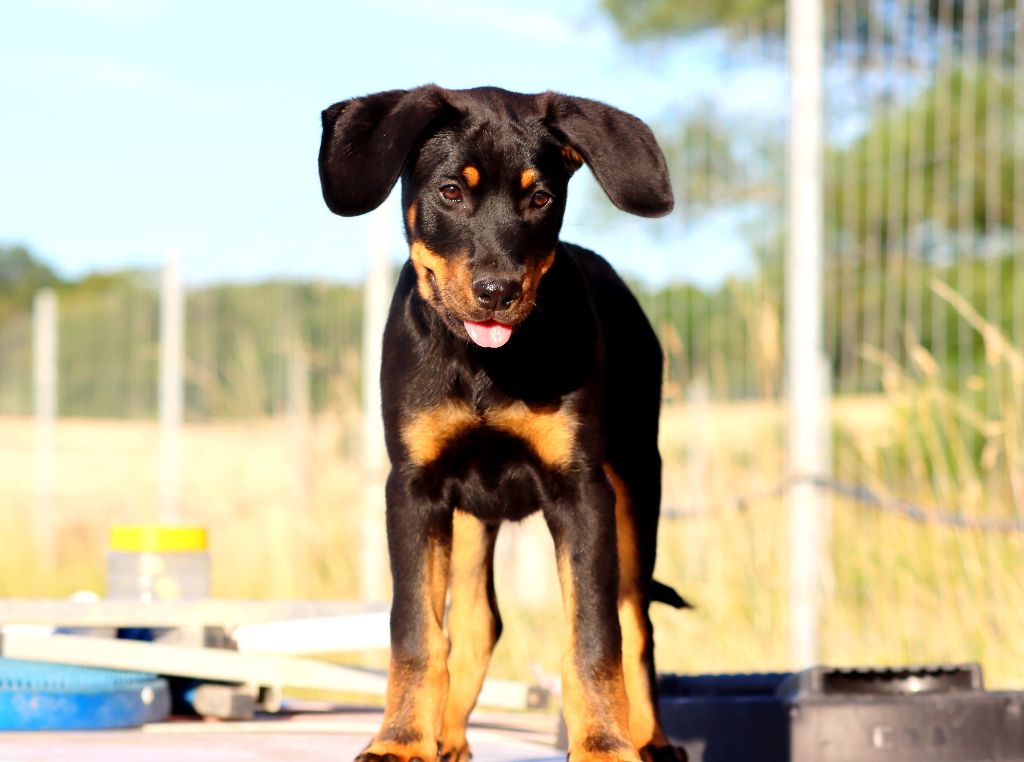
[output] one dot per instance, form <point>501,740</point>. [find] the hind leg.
<point>473,627</point>
<point>636,565</point>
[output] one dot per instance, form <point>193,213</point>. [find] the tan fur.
<point>549,431</point>
<point>528,178</point>
<point>534,272</point>
<point>644,728</point>
<point>593,705</point>
<point>472,175</point>
<point>410,217</point>
<point>572,155</point>
<point>415,698</point>
<point>451,274</point>
<point>429,431</point>
<point>471,627</point>
<point>427,262</point>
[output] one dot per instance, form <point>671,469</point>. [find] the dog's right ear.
<point>365,144</point>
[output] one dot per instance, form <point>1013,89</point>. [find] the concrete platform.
<point>306,736</point>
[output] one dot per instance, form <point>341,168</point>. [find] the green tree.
<point>924,189</point>
<point>949,153</point>
<point>21,275</point>
<point>664,19</point>
<point>661,19</point>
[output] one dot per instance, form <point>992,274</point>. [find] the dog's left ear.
<point>366,142</point>
<point>619,149</point>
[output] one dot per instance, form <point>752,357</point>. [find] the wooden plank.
<point>210,612</point>
<point>184,661</point>
<point>263,670</point>
<point>268,651</point>
<point>320,635</point>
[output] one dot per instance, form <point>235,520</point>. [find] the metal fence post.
<point>808,413</point>
<point>44,388</point>
<point>373,548</point>
<point>171,386</point>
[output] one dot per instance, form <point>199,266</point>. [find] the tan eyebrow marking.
<point>472,175</point>
<point>528,178</point>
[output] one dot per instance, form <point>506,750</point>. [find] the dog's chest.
<point>548,432</point>
<point>498,462</point>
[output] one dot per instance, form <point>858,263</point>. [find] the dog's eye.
<point>451,192</point>
<point>540,199</point>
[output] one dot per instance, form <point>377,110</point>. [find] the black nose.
<point>496,294</point>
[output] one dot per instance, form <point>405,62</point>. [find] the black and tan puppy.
<point>519,374</point>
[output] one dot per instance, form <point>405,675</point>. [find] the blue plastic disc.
<point>43,696</point>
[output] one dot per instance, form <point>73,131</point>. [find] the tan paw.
<point>455,752</point>
<point>391,751</point>
<point>603,749</point>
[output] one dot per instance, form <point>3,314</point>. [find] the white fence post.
<point>808,413</point>
<point>299,411</point>
<point>377,297</point>
<point>171,386</point>
<point>44,391</point>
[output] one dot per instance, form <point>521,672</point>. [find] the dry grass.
<point>279,503</point>
<point>276,529</point>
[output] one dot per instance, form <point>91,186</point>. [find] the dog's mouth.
<point>488,333</point>
<point>445,284</point>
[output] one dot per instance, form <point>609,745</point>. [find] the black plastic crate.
<point>913,714</point>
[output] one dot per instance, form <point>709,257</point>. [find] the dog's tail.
<point>664,594</point>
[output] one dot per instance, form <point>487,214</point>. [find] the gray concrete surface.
<point>312,737</point>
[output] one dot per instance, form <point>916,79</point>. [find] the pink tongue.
<point>490,334</point>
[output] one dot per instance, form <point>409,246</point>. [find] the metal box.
<point>913,714</point>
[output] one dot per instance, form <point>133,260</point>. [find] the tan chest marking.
<point>548,430</point>
<point>429,431</point>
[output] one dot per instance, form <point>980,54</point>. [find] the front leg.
<point>419,543</point>
<point>593,690</point>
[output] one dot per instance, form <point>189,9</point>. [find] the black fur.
<point>582,344</point>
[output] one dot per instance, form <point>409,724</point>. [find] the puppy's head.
<point>484,179</point>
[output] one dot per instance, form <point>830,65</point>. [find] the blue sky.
<point>133,126</point>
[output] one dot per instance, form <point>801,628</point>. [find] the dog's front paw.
<point>601,756</point>
<point>455,753</point>
<point>602,750</point>
<point>652,753</point>
<point>389,751</point>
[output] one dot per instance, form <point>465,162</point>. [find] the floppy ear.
<point>619,149</point>
<point>365,144</point>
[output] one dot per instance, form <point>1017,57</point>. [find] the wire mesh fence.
<point>924,327</point>
<point>924,298</point>
<point>242,343</point>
